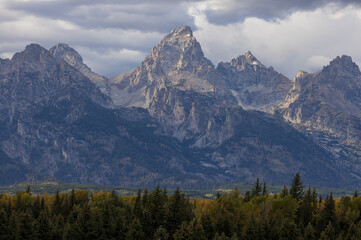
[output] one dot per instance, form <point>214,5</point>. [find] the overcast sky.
<point>115,36</point>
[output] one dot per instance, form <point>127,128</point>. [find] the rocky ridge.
<point>327,106</point>
<point>65,53</point>
<point>176,119</point>
<point>254,85</point>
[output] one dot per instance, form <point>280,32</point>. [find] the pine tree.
<point>218,196</point>
<point>137,206</point>
<point>284,192</point>
<point>28,190</point>
<point>82,226</point>
<point>36,208</point>
<point>26,228</point>
<point>192,231</point>
<point>72,198</point>
<point>175,215</point>
<point>206,222</point>
<point>19,201</point>
<point>296,190</point>
<point>309,233</point>
<point>304,212</point>
<point>156,209</point>
<point>354,232</point>
<point>314,199</point>
<point>329,233</point>
<point>42,226</point>
<point>56,208</point>
<point>161,234</point>
<point>254,230</point>
<point>135,231</point>
<point>355,195</point>
<point>328,214</point>
<point>14,227</point>
<point>256,190</point>
<point>57,228</point>
<point>42,204</point>
<point>247,196</point>
<point>221,237</point>
<point>4,223</point>
<point>288,230</point>
<point>264,192</point>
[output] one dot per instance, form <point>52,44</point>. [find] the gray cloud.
<point>232,11</point>
<point>114,36</point>
<point>156,15</point>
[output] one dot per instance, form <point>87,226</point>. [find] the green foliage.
<point>284,192</point>
<point>157,215</point>
<point>329,233</point>
<point>288,230</point>
<point>161,234</point>
<point>309,233</point>
<point>296,190</point>
<point>256,190</point>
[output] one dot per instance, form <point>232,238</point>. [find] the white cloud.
<point>304,40</point>
<point>110,61</point>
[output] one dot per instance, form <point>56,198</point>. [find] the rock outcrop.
<point>327,105</point>
<point>64,52</point>
<point>252,84</point>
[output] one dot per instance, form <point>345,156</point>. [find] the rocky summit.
<point>176,120</point>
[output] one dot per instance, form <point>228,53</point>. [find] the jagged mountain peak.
<point>178,49</point>
<point>184,31</point>
<point>250,56</point>
<point>247,59</point>
<point>342,65</point>
<point>32,49</point>
<point>34,57</point>
<point>65,52</point>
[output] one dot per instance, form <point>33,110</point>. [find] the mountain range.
<point>177,120</point>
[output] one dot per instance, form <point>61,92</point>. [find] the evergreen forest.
<point>297,212</point>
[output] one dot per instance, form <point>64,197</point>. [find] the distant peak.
<point>247,59</point>
<point>33,47</point>
<point>65,52</point>
<point>185,31</point>
<point>248,54</point>
<point>343,60</point>
<point>33,53</point>
<point>62,46</point>
<point>343,63</point>
<point>32,50</point>
<point>251,58</point>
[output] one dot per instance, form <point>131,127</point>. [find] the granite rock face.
<point>252,84</point>
<point>176,62</point>
<point>327,106</point>
<point>65,53</point>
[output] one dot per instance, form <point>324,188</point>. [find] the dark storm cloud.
<point>157,15</point>
<point>236,11</point>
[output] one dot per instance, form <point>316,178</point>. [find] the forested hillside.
<point>295,213</point>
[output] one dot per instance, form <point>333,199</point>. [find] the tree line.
<point>294,213</point>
